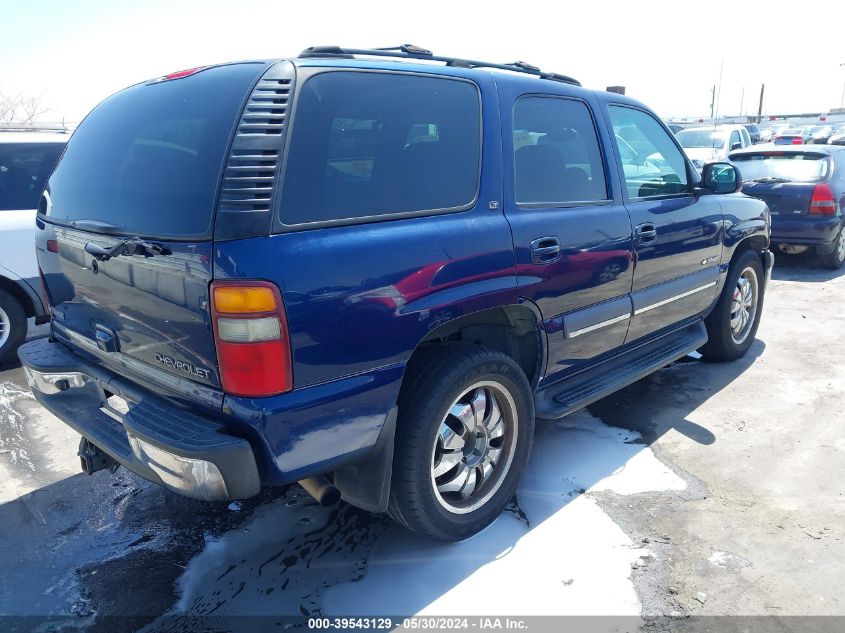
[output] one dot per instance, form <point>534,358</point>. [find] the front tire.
<point>465,429</point>
<point>835,258</point>
<point>732,325</point>
<point>12,326</point>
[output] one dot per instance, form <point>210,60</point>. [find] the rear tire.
<point>732,325</point>
<point>12,326</point>
<point>835,258</point>
<point>465,429</point>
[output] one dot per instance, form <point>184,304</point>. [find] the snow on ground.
<point>553,552</point>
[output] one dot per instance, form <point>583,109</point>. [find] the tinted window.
<point>556,152</point>
<point>658,167</point>
<point>370,144</point>
<point>24,168</point>
<point>148,159</point>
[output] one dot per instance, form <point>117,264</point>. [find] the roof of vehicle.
<point>765,148</point>
<point>33,136</point>
<point>397,59</point>
<point>713,128</point>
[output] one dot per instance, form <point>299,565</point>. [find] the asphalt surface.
<point>704,489</point>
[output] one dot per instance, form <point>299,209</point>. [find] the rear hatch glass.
<point>145,164</point>
<point>783,180</point>
<point>147,160</point>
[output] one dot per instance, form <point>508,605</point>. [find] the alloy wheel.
<point>474,447</point>
<point>5,327</point>
<point>744,305</point>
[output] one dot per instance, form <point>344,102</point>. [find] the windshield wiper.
<point>770,179</point>
<point>129,246</point>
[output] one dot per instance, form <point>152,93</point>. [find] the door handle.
<point>645,234</point>
<point>545,250</point>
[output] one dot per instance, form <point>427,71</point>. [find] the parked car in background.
<point>753,132</point>
<point>790,137</point>
<point>674,127</point>
<point>26,159</point>
<point>475,227</point>
<point>838,138</point>
<point>767,134</point>
<point>804,188</point>
<point>712,143</point>
<point>820,134</point>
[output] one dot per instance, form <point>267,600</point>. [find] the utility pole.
<point>760,109</point>
<point>741,101</point>
<point>712,99</point>
<point>842,100</point>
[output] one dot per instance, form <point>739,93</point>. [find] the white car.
<point>26,160</point>
<point>710,144</point>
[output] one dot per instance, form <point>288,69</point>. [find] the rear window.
<point>24,168</point>
<point>147,160</point>
<point>372,144</point>
<point>785,166</point>
<point>701,138</point>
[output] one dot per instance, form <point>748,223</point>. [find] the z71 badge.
<point>184,367</point>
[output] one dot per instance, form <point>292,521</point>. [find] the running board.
<point>573,393</point>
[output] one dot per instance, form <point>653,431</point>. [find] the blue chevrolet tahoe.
<point>371,271</point>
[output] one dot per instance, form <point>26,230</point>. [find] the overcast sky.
<point>668,54</point>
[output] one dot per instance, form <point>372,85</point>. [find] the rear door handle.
<point>545,250</point>
<point>646,234</point>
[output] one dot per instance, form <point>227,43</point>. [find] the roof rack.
<point>34,127</point>
<point>409,51</point>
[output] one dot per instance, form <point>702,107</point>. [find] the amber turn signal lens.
<point>243,299</point>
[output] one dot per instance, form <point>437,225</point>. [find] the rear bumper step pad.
<point>163,443</point>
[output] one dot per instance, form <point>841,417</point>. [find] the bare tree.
<point>21,109</point>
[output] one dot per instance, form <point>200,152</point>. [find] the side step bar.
<point>576,392</point>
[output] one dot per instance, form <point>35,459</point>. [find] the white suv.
<point>711,144</point>
<point>26,160</point>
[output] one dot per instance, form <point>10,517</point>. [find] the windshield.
<point>148,159</point>
<point>791,167</point>
<point>701,138</point>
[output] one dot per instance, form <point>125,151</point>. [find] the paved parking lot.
<point>703,489</point>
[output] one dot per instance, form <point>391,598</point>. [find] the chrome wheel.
<point>5,327</point>
<point>474,447</point>
<point>840,247</point>
<point>744,305</point>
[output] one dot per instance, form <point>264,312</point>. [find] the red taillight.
<point>53,246</point>
<point>251,335</point>
<point>797,140</point>
<point>823,201</point>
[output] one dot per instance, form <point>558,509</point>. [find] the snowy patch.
<point>552,552</point>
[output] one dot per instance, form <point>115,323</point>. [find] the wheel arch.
<point>514,330</point>
<point>20,294</point>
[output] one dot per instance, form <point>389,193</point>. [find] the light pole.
<point>842,100</point>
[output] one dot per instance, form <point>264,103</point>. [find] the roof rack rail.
<point>410,51</point>
<point>34,127</point>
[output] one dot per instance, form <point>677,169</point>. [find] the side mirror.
<point>736,145</point>
<point>721,178</point>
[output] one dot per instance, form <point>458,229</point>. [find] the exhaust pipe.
<point>321,489</point>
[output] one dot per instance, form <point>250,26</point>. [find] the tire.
<point>12,326</point>
<point>438,459</point>
<point>836,257</point>
<point>730,333</point>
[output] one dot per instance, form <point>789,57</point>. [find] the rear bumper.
<point>805,230</point>
<point>170,446</point>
